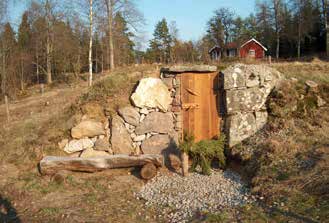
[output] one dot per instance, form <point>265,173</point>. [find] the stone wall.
<point>147,126</point>
<point>153,123</point>
<point>246,89</point>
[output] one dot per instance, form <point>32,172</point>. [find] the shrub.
<point>204,152</point>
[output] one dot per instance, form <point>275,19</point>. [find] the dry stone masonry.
<point>153,123</point>
<point>246,88</point>
<point>145,127</point>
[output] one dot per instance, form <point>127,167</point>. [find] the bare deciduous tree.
<point>277,9</point>
<point>90,42</point>
<point>3,9</point>
<point>131,15</point>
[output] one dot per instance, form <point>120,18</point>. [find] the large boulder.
<point>250,99</point>
<point>120,139</point>
<point>87,129</point>
<point>247,88</point>
<point>130,115</point>
<point>152,93</point>
<point>243,125</point>
<point>102,145</point>
<point>78,145</point>
<point>156,144</point>
<point>89,153</point>
<point>156,122</point>
<point>241,75</point>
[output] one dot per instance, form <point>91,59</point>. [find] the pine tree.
<point>8,50</point>
<point>162,41</point>
<point>24,46</point>
<point>124,52</point>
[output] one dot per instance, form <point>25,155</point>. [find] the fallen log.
<point>148,171</point>
<point>49,165</point>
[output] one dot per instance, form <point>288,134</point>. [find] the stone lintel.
<point>189,68</point>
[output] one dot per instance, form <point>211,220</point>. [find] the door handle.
<point>192,92</point>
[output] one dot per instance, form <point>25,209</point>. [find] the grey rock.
<point>102,145</point>
<point>142,118</point>
<point>169,82</point>
<point>240,127</point>
<point>189,68</point>
<point>320,102</point>
<point>144,111</point>
<point>156,122</point>
<point>311,84</point>
<point>78,145</point>
<point>130,115</point>
<point>156,144</point>
<point>121,142</point>
<point>251,99</point>
<point>152,93</point>
<point>89,153</point>
<point>63,143</point>
<point>87,129</point>
<point>139,138</point>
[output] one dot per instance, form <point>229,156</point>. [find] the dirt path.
<point>41,107</point>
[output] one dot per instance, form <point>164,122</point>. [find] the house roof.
<point>216,46</point>
<point>232,45</point>
<point>254,40</point>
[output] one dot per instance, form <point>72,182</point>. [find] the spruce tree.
<point>24,44</point>
<point>8,49</point>
<point>162,41</point>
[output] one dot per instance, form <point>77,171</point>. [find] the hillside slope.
<point>287,163</point>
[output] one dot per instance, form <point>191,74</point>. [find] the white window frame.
<point>252,53</point>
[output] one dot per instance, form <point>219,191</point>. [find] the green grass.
<point>49,211</point>
<point>305,71</point>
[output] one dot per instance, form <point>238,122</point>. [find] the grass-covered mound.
<point>288,161</point>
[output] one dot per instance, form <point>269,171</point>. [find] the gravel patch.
<point>179,198</point>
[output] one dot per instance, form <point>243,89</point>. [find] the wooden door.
<point>200,103</point>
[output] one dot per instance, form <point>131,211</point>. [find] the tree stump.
<point>148,171</point>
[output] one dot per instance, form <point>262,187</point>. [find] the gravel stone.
<point>180,198</point>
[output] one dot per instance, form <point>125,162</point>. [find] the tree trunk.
<point>3,75</point>
<point>102,62</point>
<point>298,48</point>
<point>48,44</point>
<point>299,36</point>
<point>110,30</point>
<point>277,54</point>
<point>49,165</point>
<point>38,74</point>
<point>22,75</point>
<point>277,15</point>
<point>325,16</point>
<point>299,29</point>
<point>91,43</point>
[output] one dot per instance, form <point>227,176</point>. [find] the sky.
<point>191,16</point>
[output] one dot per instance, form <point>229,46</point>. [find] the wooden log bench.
<point>50,165</point>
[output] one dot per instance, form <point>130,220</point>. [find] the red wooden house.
<point>252,49</point>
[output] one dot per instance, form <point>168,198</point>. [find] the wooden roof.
<point>254,40</point>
